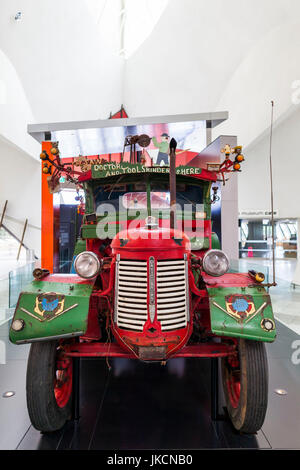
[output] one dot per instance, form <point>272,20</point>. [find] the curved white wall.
<point>15,111</point>
<point>20,173</point>
<point>193,52</point>
<point>268,72</point>
<point>254,181</point>
<point>62,62</point>
<point>234,56</point>
<point>67,58</point>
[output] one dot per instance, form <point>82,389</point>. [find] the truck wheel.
<point>245,385</point>
<point>48,386</point>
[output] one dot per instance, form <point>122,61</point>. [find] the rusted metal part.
<point>268,285</point>
<point>142,140</point>
<point>256,276</point>
<point>114,350</point>
<point>151,353</point>
<point>40,273</point>
<point>173,145</point>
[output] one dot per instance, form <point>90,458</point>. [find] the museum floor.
<point>147,406</point>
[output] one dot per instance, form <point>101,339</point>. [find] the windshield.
<point>138,200</point>
<point>126,206</point>
<point>134,196</point>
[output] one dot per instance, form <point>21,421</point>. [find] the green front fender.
<point>55,307</point>
<point>229,319</point>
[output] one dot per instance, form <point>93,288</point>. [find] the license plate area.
<point>154,353</point>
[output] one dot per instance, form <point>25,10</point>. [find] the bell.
<point>143,140</point>
<point>259,277</point>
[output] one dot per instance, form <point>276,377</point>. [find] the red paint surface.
<point>66,279</point>
<point>228,280</point>
<point>114,350</point>
<point>141,248</point>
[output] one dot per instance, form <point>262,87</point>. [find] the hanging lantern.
<point>43,156</point>
<point>46,169</point>
<point>54,151</point>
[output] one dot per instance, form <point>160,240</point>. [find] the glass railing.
<point>4,299</point>
<point>243,266</point>
<point>10,288</point>
<point>18,280</point>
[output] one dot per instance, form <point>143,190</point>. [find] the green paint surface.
<point>107,170</point>
<point>224,325</point>
<point>215,242</point>
<point>70,322</point>
<point>79,247</point>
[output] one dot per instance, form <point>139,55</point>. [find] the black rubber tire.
<point>249,415</point>
<point>45,415</point>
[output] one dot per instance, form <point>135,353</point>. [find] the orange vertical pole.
<point>47,242</point>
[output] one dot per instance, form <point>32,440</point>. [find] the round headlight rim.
<point>91,253</point>
<point>213,250</point>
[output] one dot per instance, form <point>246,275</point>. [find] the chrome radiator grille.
<point>131,299</point>
<point>172,289</point>
<point>131,294</point>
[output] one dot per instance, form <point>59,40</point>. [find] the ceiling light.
<point>280,391</point>
<point>18,16</point>
<point>8,394</point>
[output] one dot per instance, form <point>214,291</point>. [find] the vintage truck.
<point>151,284</point>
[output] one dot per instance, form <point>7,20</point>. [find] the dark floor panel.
<point>94,384</point>
<point>236,440</point>
<point>149,406</point>
<point>164,407</point>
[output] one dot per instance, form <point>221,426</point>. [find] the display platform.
<point>147,406</point>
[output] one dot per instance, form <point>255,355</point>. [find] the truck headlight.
<point>18,325</point>
<point>87,264</point>
<point>215,263</point>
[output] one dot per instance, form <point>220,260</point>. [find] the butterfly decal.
<point>240,307</point>
<point>49,304</point>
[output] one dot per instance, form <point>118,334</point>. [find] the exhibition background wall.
<point>20,184</point>
<point>254,181</point>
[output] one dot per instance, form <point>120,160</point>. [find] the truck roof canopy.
<point>107,136</point>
